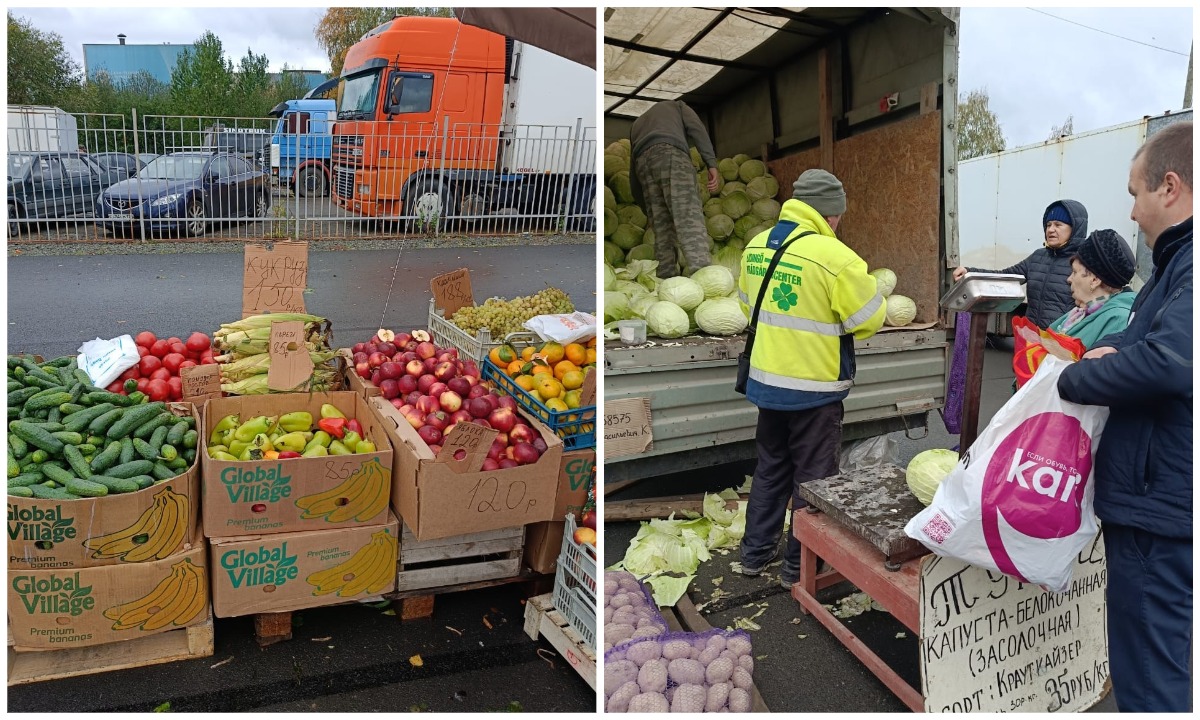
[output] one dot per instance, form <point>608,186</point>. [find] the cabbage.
<point>900,310</point>
<point>666,320</point>
<point>735,204</point>
<point>719,226</point>
<point>610,278</point>
<point>766,209</point>
<point>614,164</point>
<point>616,307</point>
<point>715,280</point>
<point>610,200</point>
<point>743,225</point>
<point>641,252</point>
<point>630,288</point>
<point>927,470</point>
<point>886,280</point>
<point>621,187</point>
<point>730,256</point>
<point>732,187</point>
<point>613,255</point>
<point>697,161</point>
<point>684,292</point>
<point>702,190</point>
<point>640,271</point>
<point>641,303</point>
<point>633,215</point>
<point>721,316</point>
<point>758,188</point>
<point>728,169</point>
<point>751,169</point>
<point>627,236</point>
<point>712,207</point>
<point>619,149</point>
<point>759,230</point>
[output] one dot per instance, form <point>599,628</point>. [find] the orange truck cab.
<point>441,119</point>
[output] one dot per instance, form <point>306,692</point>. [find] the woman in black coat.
<point>1046,269</point>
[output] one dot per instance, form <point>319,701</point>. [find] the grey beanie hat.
<point>821,191</point>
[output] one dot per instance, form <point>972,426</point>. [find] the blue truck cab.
<point>302,145</point>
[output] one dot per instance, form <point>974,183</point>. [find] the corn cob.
<point>240,369</point>
<point>264,321</point>
<point>257,384</point>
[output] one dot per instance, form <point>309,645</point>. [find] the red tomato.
<point>207,360</point>
<point>175,386</point>
<point>178,348</point>
<point>171,362</point>
<point>142,383</point>
<point>145,339</point>
<point>160,348</point>
<point>187,364</point>
<point>131,374</point>
<point>143,351</point>
<point>158,390</point>
<point>160,374</point>
<point>116,386</point>
<point>148,364</point>
<point>198,342</point>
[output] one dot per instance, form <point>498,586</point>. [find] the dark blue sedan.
<point>183,193</point>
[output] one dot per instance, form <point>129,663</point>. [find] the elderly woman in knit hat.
<point>1100,273</point>
<point>1064,226</point>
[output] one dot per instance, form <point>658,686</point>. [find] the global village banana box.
<point>306,493</point>
<point>77,607</point>
<point>146,525</point>
<point>293,571</point>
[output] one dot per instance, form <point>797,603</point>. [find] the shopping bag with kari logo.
<point>1020,500</point>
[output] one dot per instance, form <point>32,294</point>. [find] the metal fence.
<point>98,177</point>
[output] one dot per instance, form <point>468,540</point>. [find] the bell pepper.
<point>270,455</point>
<point>216,449</point>
<point>295,422</point>
<point>351,439</point>
<point>320,438</point>
<point>229,422</point>
<point>293,441</point>
<point>254,426</point>
<point>337,448</point>
<point>354,425</point>
<point>329,411</point>
<point>237,447</point>
<point>336,427</point>
<point>289,454</point>
<point>224,457</point>
<point>365,446</point>
<point>250,453</point>
<point>262,442</point>
<point>315,451</point>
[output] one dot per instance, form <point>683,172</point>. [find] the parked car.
<point>185,192</point>
<point>51,185</point>
<point>248,143</point>
<point>126,163</point>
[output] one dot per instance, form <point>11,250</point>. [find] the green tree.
<point>202,80</point>
<point>1067,128</point>
<point>341,27</point>
<point>251,87</point>
<point>979,130</point>
<point>40,71</point>
<point>291,85</point>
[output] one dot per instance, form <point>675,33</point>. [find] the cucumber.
<point>145,430</point>
<point>19,491</point>
<point>14,412</point>
<point>41,380</point>
<point>156,440</point>
<point>68,438</point>
<point>15,385</point>
<point>75,459</point>
<point>162,472</point>
<point>133,417</point>
<point>100,425</point>
<point>104,396</point>
<point>52,427</point>
<point>44,492</point>
<point>39,456</point>
<point>19,397</point>
<point>36,435</point>
<point>142,481</point>
<point>128,452</point>
<point>176,433</point>
<point>190,439</point>
<point>82,377</point>
<point>179,465</point>
<point>167,452</point>
<point>117,485</point>
<point>96,440</point>
<point>85,449</point>
<point>144,449</point>
<point>26,479</point>
<point>19,447</point>
<point>107,457</point>
<point>54,415</point>
<point>56,474</point>
<point>70,408</point>
<point>79,421</point>
<point>129,469</point>
<point>86,488</point>
<point>14,467</point>
<point>189,455</point>
<point>58,362</point>
<point>138,397</point>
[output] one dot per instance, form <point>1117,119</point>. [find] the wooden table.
<point>855,560</point>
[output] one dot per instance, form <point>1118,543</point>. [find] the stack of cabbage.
<point>901,309</point>
<point>743,206</point>
<point>678,306</point>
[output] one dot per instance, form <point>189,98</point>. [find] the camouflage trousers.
<point>673,208</point>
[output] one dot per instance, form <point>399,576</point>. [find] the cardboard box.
<point>543,545</point>
<point>543,541</point>
<point>77,607</point>
<point>292,571</point>
<point>69,533</point>
<point>354,382</point>
<point>252,498</point>
<point>440,498</point>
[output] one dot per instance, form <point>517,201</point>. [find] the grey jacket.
<point>1046,270</point>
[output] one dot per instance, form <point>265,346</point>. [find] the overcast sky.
<point>1037,69</point>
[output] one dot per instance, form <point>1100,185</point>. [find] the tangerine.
<point>514,368</point>
<point>502,355</point>
<point>527,353</point>
<point>576,353</point>
<point>553,352</point>
<point>548,387</point>
<point>526,382</point>
<point>572,380</point>
<point>563,368</point>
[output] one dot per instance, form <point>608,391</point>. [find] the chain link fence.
<point>81,177</point>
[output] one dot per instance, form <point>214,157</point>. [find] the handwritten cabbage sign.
<point>990,643</point>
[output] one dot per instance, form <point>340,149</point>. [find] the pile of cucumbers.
<point>68,439</point>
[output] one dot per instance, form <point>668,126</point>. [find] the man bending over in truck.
<point>663,176</point>
<point>820,299</point>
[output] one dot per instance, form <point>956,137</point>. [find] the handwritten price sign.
<point>200,383</point>
<point>452,291</point>
<point>627,429</point>
<point>291,364</point>
<point>274,280</point>
<point>467,446</point>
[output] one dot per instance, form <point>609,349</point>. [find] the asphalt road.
<point>800,666</point>
<point>349,658</point>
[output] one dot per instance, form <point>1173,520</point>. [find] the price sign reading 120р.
<point>627,427</point>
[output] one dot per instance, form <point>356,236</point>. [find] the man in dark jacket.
<point>1144,461</point>
<point>1047,295</point>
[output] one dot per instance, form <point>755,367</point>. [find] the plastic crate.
<point>575,427</point>
<point>447,334</point>
<point>575,584</point>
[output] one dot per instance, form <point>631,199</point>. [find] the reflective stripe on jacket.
<point>820,299</point>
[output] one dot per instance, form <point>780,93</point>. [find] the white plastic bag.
<point>570,328</point>
<point>105,360</point>
<point>1020,501</point>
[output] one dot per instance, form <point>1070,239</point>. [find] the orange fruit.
<point>591,356</point>
<point>592,343</point>
<point>502,355</point>
<point>576,353</point>
<point>514,368</point>
<point>557,405</point>
<point>527,353</point>
<point>553,352</point>
<point>548,387</point>
<point>541,369</point>
<point>563,368</point>
<point>572,379</point>
<point>526,382</point>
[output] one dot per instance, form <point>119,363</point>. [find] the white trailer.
<point>41,128</point>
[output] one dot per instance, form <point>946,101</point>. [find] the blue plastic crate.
<point>576,428</point>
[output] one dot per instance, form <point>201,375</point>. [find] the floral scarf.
<point>1077,314</point>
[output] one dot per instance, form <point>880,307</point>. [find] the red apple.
<point>389,388</point>
<point>508,463</point>
<point>479,407</point>
<point>450,401</point>
<point>387,348</point>
<point>459,385</point>
<point>493,401</point>
<point>502,419</point>
<point>376,359</point>
<point>371,347</point>
<point>435,390</point>
<point>398,403</point>
<point>435,449</point>
<point>477,391</point>
<point>408,357</point>
<point>481,422</point>
<point>430,364</point>
<point>473,379</point>
<point>502,437</point>
<point>540,444</point>
<point>438,419</point>
<point>430,434</point>
<point>461,415</point>
<point>376,377</point>
<point>470,368</point>
<point>489,465</point>
<point>391,370</point>
<point>361,357</point>
<point>522,435</point>
<point>362,369</point>
<point>445,356</point>
<point>589,519</point>
<point>407,383</point>
<point>427,405</point>
<point>525,454</point>
<point>410,346</point>
<point>496,451</point>
<point>425,382</point>
<point>414,418</point>
<point>413,397</point>
<point>445,371</point>
<point>359,348</point>
<point>415,368</point>
<point>507,401</point>
<point>508,453</point>
<point>426,350</point>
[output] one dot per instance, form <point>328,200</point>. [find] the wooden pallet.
<point>541,618</point>
<point>683,616</point>
<point>195,641</point>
